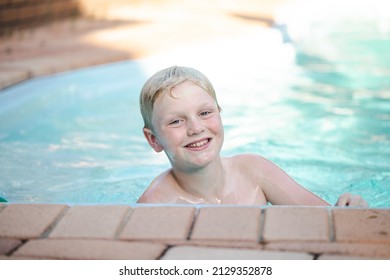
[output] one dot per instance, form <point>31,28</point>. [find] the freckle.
<point>383,232</point>
<point>373,217</point>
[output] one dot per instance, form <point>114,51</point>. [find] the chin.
<point>206,159</point>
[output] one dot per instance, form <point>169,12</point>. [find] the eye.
<point>205,113</point>
<point>175,123</point>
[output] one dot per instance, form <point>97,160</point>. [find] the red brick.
<point>159,223</point>
<point>90,222</point>
<point>74,249</point>
<point>361,224</point>
<point>8,244</point>
<point>340,257</point>
<point>26,221</point>
<point>9,15</point>
<point>66,60</point>
<point>10,76</point>
<point>11,258</point>
<point>212,253</point>
<point>227,224</point>
<point>296,223</point>
<point>370,250</point>
<point>63,8</point>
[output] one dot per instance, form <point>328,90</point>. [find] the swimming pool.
<point>76,137</point>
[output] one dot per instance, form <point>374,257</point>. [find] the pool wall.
<point>153,232</point>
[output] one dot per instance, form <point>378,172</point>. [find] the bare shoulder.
<point>250,161</point>
<point>257,169</point>
<point>252,169</point>
<point>159,191</point>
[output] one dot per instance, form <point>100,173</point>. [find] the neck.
<point>206,182</point>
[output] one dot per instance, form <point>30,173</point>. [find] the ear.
<point>152,140</point>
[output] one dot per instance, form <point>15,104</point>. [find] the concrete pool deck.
<point>147,232</point>
<point>41,231</point>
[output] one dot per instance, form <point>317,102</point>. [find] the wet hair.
<point>163,82</point>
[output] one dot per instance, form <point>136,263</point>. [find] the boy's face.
<point>187,126</point>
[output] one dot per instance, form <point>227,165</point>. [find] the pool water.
<point>322,115</point>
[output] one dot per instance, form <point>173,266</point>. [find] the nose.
<point>194,126</point>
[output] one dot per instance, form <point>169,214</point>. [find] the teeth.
<point>198,144</point>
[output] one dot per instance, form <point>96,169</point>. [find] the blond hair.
<point>164,81</point>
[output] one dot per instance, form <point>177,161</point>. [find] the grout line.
<point>261,226</point>
<point>315,255</point>
<point>124,221</point>
<point>331,228</point>
<point>55,222</point>
<point>164,252</point>
<point>24,241</point>
<point>193,223</point>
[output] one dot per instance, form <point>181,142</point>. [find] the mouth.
<point>199,145</point>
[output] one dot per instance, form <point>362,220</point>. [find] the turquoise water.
<point>76,137</point>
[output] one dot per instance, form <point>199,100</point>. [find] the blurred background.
<point>62,34</point>
<point>43,37</point>
<point>22,14</point>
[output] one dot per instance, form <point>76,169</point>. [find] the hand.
<point>349,199</point>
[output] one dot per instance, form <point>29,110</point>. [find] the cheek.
<point>170,138</point>
<point>216,124</point>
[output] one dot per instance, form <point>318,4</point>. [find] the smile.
<point>199,144</point>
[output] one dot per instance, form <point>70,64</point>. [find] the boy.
<point>182,118</point>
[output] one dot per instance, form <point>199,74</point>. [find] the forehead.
<point>185,90</point>
<point>187,87</point>
<point>182,97</point>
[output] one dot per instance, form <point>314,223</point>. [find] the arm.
<point>280,189</point>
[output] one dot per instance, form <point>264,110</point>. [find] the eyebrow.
<point>202,105</point>
<point>173,114</point>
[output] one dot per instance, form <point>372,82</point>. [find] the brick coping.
<point>58,231</point>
